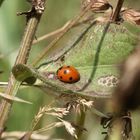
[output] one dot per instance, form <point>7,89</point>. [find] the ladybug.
<point>68,74</point>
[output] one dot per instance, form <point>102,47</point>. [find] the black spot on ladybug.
<point>70,78</point>
<point>61,77</point>
<point>68,66</point>
<point>65,71</point>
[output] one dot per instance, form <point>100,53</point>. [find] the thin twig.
<point>22,57</point>
<point>54,33</point>
<point>60,30</point>
<point>116,16</point>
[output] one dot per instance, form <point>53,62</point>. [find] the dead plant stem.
<point>117,11</point>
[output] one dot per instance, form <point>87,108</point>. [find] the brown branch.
<point>117,11</point>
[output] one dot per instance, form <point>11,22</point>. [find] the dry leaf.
<point>86,103</point>
<point>58,112</point>
<point>98,5</point>
<point>131,15</point>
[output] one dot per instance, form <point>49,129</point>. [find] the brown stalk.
<point>116,14</point>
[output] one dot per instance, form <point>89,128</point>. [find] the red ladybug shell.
<point>68,74</point>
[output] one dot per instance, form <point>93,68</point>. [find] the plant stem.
<point>52,34</point>
<point>80,122</point>
<point>22,57</point>
<point>117,10</point>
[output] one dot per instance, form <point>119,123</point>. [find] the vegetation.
<point>100,39</point>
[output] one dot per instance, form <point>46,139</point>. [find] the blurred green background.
<point>57,13</point>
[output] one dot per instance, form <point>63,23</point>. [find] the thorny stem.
<point>22,57</point>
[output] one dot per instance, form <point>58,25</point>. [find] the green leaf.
<point>22,73</point>
<point>55,86</point>
<point>132,28</point>
<point>117,45</point>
